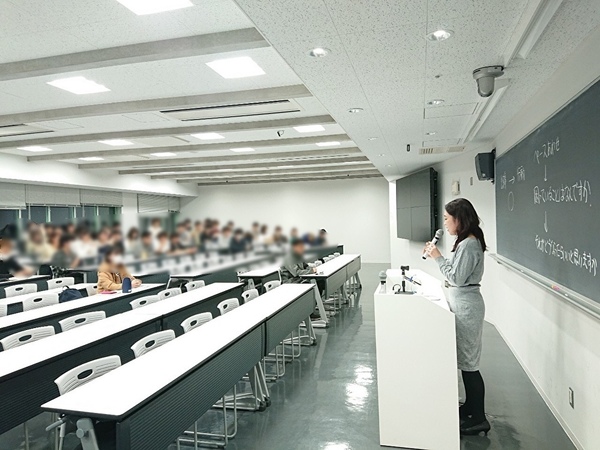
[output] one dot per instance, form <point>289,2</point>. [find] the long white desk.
<point>50,315</point>
<point>196,370</point>
<point>11,302</point>
<point>261,275</point>
<point>225,272</point>
<point>39,280</point>
<point>40,363</point>
<point>416,332</point>
<point>331,277</point>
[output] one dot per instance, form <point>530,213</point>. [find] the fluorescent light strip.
<point>144,7</point>
<point>327,144</point>
<point>207,136</point>
<point>92,158</point>
<point>241,67</point>
<point>116,142</point>
<point>309,128</point>
<point>78,85</point>
<point>35,148</point>
<point>163,154</point>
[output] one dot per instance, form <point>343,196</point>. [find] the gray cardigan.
<point>465,266</point>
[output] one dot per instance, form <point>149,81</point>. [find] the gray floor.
<point>328,399</point>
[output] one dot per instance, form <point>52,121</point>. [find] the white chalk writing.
<point>582,260</point>
<point>548,150</point>
<point>578,192</point>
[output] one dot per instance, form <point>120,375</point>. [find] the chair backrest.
<point>26,336</point>
<point>250,294</point>
<point>81,319</point>
<point>19,289</point>
<point>269,285</point>
<point>195,321</point>
<point>151,342</point>
<point>58,282</point>
<point>3,310</point>
<point>40,300</point>
<point>86,372</point>
<point>143,301</point>
<point>92,290</point>
<point>228,305</point>
<point>168,293</point>
<point>194,285</point>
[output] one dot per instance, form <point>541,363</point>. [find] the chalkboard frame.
<point>581,300</point>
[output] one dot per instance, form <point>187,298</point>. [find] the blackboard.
<point>548,197</point>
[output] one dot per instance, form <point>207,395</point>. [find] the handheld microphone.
<point>436,238</point>
<point>382,276</point>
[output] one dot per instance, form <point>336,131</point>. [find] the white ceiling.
<point>380,61</point>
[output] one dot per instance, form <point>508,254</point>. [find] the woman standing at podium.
<point>464,270</point>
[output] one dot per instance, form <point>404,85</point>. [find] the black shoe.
<point>315,316</point>
<point>470,429</point>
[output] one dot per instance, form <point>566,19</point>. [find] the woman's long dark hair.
<point>468,221</point>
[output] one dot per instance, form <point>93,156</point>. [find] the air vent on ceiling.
<point>21,130</point>
<point>234,110</point>
<point>441,150</point>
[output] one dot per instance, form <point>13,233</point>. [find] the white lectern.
<point>416,365</point>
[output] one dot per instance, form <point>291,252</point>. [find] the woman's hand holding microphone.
<point>431,250</point>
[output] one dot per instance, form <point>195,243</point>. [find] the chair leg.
<point>26,433</point>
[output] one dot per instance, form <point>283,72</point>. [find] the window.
<point>61,215</point>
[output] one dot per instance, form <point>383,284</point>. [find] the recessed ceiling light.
<point>372,138</point>
<point>116,142</point>
<point>242,150</point>
<point>355,110</point>
<point>92,158</point>
<point>163,154</point>
<point>327,144</point>
<point>430,133</point>
<point>241,67</point>
<point>440,35</point>
<point>381,154</point>
<point>207,136</point>
<point>143,7</point>
<point>319,52</point>
<point>78,85</point>
<point>435,102</point>
<point>35,148</point>
<point>309,128</point>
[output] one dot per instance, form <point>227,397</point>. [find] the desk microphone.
<point>436,238</point>
<point>382,276</point>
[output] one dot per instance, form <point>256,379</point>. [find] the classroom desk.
<point>39,280</point>
<point>180,307</point>
<point>261,275</point>
<point>197,369</point>
<point>225,272</point>
<point>40,363</point>
<point>50,315</point>
<point>14,303</point>
<point>331,277</point>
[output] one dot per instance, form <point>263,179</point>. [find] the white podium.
<point>417,376</point>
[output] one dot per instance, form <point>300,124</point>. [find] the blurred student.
<point>177,248</point>
<point>309,239</point>
<point>65,257</point>
<point>197,233</point>
<point>146,246</point>
<point>112,271</point>
<point>155,229</point>
<point>278,237</point>
<point>264,238</point>
<point>162,245</point>
<point>238,243</point>
<point>38,246</point>
<point>9,266</point>
<point>133,244</point>
<point>225,238</point>
<point>294,265</point>
<point>321,238</point>
<point>185,237</point>
<point>255,230</point>
<point>294,233</point>
<point>103,242</point>
<point>84,246</point>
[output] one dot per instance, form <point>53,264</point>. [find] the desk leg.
<point>324,321</point>
<point>87,435</point>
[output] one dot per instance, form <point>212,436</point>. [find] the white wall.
<point>354,212</point>
<point>556,343</point>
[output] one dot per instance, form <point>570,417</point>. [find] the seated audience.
<point>65,257</point>
<point>9,266</point>
<point>84,246</point>
<point>162,245</point>
<point>133,245</point>
<point>321,238</point>
<point>238,243</point>
<point>294,265</point>
<point>112,272</point>
<point>146,247</point>
<point>278,237</point>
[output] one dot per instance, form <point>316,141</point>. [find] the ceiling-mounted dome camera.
<point>485,78</point>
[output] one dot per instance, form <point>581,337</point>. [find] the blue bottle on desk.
<point>126,285</point>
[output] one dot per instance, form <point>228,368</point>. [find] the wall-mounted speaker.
<point>484,165</point>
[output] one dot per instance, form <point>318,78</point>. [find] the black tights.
<point>475,390</point>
